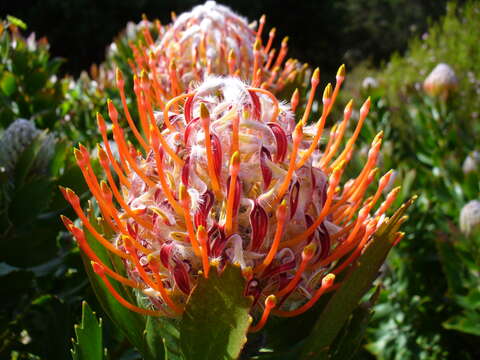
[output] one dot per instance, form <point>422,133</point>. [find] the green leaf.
<point>451,264</point>
<point>17,22</point>
<point>30,200</point>
<point>163,338</point>
<point>216,318</point>
<point>8,83</point>
<point>468,322</point>
<point>354,287</point>
<point>89,344</point>
<point>27,159</point>
<point>349,340</point>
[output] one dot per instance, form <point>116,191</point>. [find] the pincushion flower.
<point>232,177</point>
<point>441,81</point>
<point>212,40</point>
<point>470,217</point>
<point>19,135</point>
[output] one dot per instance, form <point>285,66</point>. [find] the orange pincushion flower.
<point>212,40</point>
<point>231,178</point>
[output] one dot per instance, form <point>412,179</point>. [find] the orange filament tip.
<point>365,107</point>
<point>83,149</point>
<point>309,251</point>
<point>72,197</point>
<point>257,45</point>
<point>204,113</point>
<point>202,237</point>
<point>282,210</point>
<point>99,269</point>
<point>271,301</point>
<point>66,221</point>
<point>315,77</point>
<point>341,72</point>
<point>235,160</point>
<point>79,157</point>
<point>295,100</point>
<point>183,193</point>
<point>247,273</point>
<point>398,238</point>
<point>339,167</point>
<point>372,174</point>
<point>112,111</point>
<point>327,93</point>
<point>285,41</point>
<point>102,155</point>
<point>298,132</point>
<point>378,137</point>
<point>105,189</point>
<point>79,234</point>
<point>328,280</point>
<point>348,108</point>
<point>385,179</point>
<point>101,122</point>
<point>119,77</point>
<point>395,191</point>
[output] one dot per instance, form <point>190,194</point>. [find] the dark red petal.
<point>294,194</point>
<point>217,153</point>
<point>324,241</point>
<point>132,229</point>
<point>323,193</point>
<point>180,275</point>
<point>206,202</point>
<point>187,110</point>
<point>266,171</point>
<point>257,107</point>
<point>157,195</point>
<point>186,171</point>
<point>217,240</point>
<point>165,254</point>
<point>283,280</point>
<point>259,224</point>
<point>281,140</point>
<point>309,222</point>
<point>271,270</point>
<point>188,130</point>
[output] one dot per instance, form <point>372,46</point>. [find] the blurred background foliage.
<point>429,307</point>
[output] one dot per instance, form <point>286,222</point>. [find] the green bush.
<point>429,309</point>
<point>453,40</point>
<point>29,87</point>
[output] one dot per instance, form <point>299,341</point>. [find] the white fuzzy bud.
<point>470,217</point>
<point>441,81</point>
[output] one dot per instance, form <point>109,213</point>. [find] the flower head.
<point>470,217</point>
<point>213,40</point>
<point>369,83</point>
<point>471,162</point>
<point>232,177</point>
<point>441,81</point>
<point>19,135</point>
